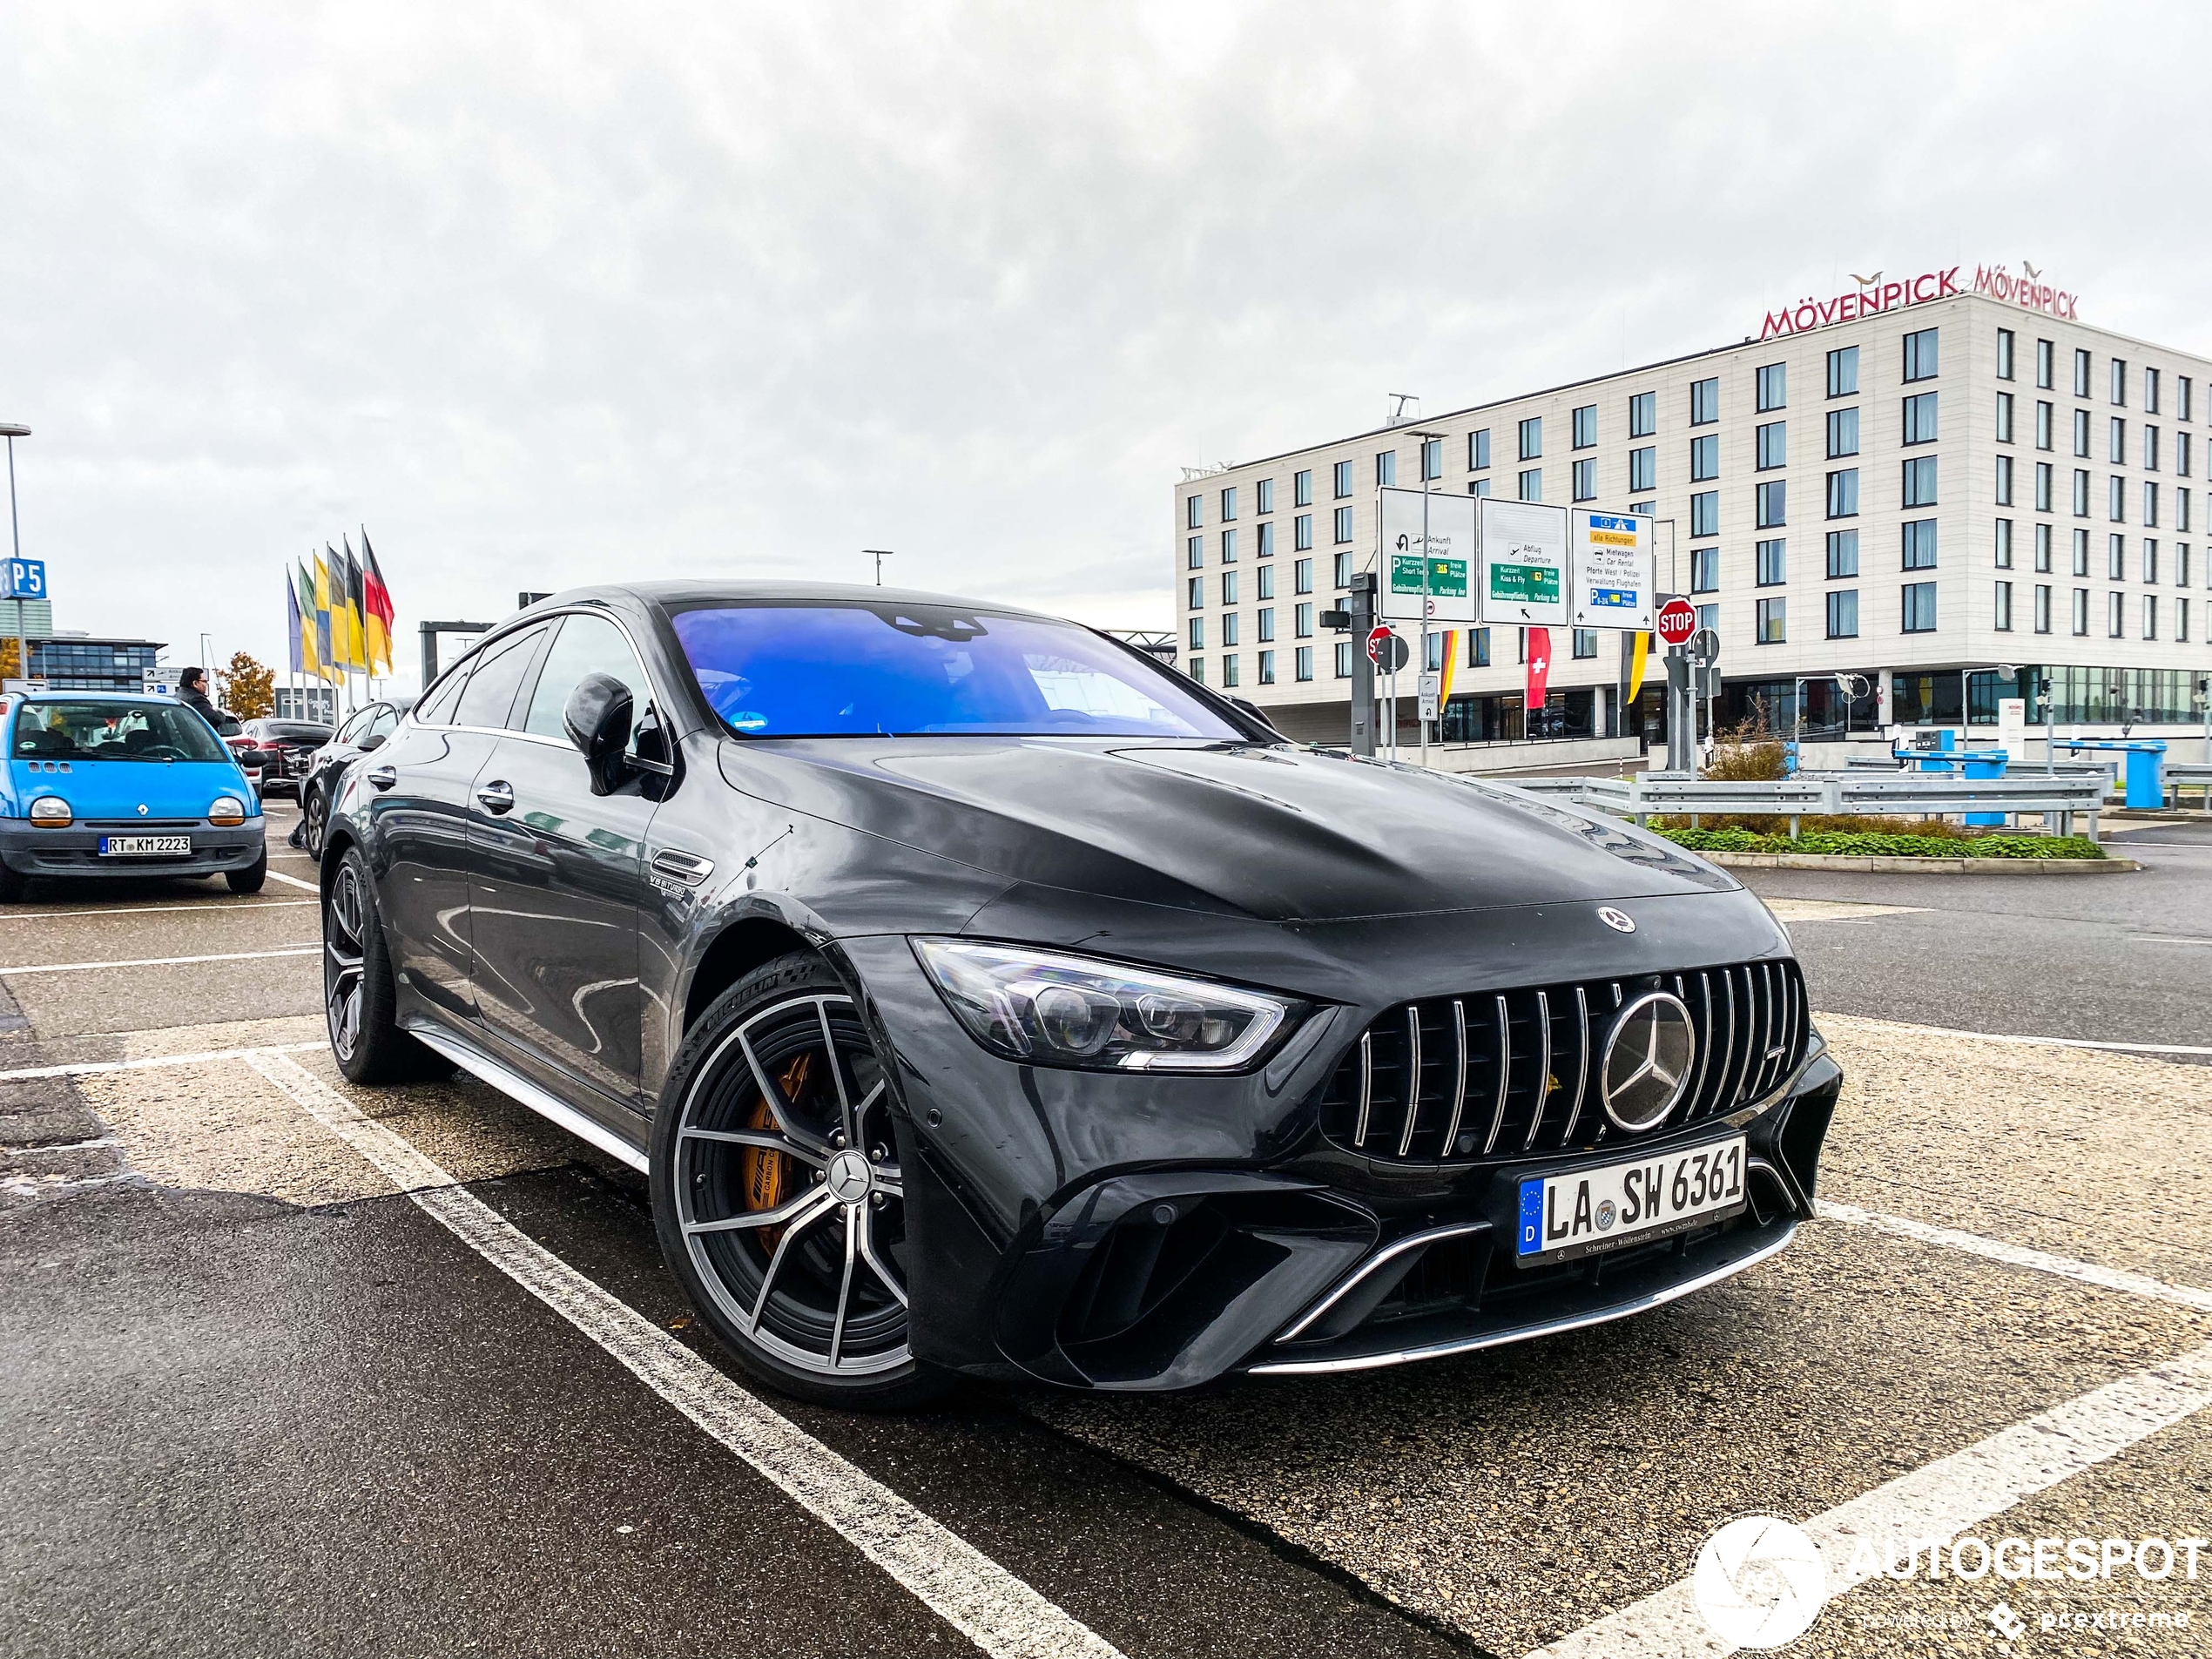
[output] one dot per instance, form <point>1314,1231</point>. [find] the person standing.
<point>192,692</point>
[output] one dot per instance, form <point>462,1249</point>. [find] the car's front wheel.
<point>358,1000</point>
<point>252,878</point>
<point>778,1194</point>
<point>314,808</point>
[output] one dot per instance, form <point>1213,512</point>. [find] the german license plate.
<point>1588,1211</point>
<point>141,846</point>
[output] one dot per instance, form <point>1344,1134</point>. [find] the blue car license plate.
<point>143,847</point>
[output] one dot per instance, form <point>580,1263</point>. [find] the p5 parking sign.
<point>22,578</point>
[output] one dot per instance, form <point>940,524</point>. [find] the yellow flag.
<point>1637,654</point>
<point>1451,666</point>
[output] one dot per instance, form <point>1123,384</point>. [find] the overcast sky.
<point>548,294</point>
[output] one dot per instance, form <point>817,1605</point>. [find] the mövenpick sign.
<point>1876,297</point>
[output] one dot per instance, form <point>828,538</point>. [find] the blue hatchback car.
<point>106,784</point>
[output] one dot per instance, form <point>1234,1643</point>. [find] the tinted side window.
<point>495,677</point>
<point>386,722</point>
<point>437,708</point>
<point>585,645</point>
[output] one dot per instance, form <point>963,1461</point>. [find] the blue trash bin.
<point>1984,763</point>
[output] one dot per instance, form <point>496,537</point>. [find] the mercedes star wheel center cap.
<point>848,1177</point>
<point>1648,1059</point>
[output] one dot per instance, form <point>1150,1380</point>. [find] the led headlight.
<point>1059,1010</point>
<point>50,812</point>
<point>226,810</point>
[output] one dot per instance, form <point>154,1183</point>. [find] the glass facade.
<point>93,665</point>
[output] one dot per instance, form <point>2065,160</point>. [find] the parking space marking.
<point>2003,1037</point>
<point>1937,1502</point>
<point>94,1067</point>
<point>294,880</point>
<point>162,961</point>
<point>1795,910</point>
<point>998,1611</point>
<point>206,907</point>
<point>2109,1278</point>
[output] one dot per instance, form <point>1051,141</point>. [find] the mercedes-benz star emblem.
<point>1620,920</point>
<point>1648,1059</point>
<point>848,1177</point>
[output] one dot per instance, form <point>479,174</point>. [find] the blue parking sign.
<point>23,579</point>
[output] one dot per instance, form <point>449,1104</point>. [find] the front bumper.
<point>74,853</point>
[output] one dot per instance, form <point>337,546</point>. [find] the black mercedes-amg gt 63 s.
<point>981,997</point>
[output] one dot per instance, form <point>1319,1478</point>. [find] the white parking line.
<point>94,1067</point>
<point>294,880</point>
<point>994,1609</point>
<point>1940,1501</point>
<point>159,962</point>
<point>2001,1036</point>
<point>210,907</point>
<point>2109,1278</point>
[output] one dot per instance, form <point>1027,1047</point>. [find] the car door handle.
<point>382,776</point>
<point>496,797</point>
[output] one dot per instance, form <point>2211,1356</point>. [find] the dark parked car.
<point>982,997</point>
<point>282,748</point>
<point>365,729</point>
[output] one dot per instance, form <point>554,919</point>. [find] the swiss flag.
<point>1539,668</point>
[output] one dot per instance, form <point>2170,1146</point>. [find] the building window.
<point>2116,444</point>
<point>2043,477</point>
<point>1478,648</point>
<point>1343,480</point>
<point>1644,509</point>
<point>1843,493</point>
<point>2116,500</point>
<point>1302,620</point>
<point>1704,569</point>
<point>1229,546</point>
<point>1302,576</point>
<point>1585,642</point>
<point>2181,390</point>
<point>1843,614</point>
<point>1302,533</point>
<point>2150,560</point>
<point>2043,354</point>
<point>1774,446</point>
<point>2150,502</point>
<point>1194,512</point>
<point>1920,482</point>
<point>1532,438</point>
<point>2080,374</point>
<point>1843,554</point>
<point>1199,670</point>
<point>2043,549</point>
<point>2181,509</point>
<point>2004,417</point>
<point>1263,580</point>
<point>1532,484</point>
<point>1344,659</point>
<point>1919,615</point>
<point>1228,671</point>
<point>1920,418</point>
<point>1920,355</point>
<point>1230,632</point>
<point>1343,524</point>
<point>1194,553</point>
<point>1774,387</point>
<point>1228,503</point>
<point>2081,492</point>
<point>2181,619</point>
<point>1302,489</point>
<point>2004,612</point>
<point>1480,487</point>
<point>1387,469</point>
<point>1585,427</point>
<point>1197,594</point>
<point>1266,615</point>
<point>1267,668</point>
<point>1643,468</point>
<point>2042,608</point>
<point>2081,433</point>
<point>1643,415</point>
<point>1843,432</point>
<point>2119,382</point>
<point>2081,552</point>
<point>1704,401</point>
<point>1842,371</point>
<point>2180,564</point>
<point>2181,453</point>
<point>2150,448</point>
<point>1774,562</point>
<point>2004,354</point>
<point>1264,496</point>
<point>1773,621</point>
<point>2081,610</point>
<point>1304,663</point>
<point>1229,590</point>
<point>1920,544</point>
<point>2004,481</point>
<point>1197,633</point>
<point>1344,568</point>
<point>1586,480</point>
<point>1265,534</point>
<point>1704,458</point>
<point>2116,616</point>
<point>2004,546</point>
<point>1705,513</point>
<point>1432,458</point>
<point>1773,501</point>
<point>2043,415</point>
<point>1478,450</point>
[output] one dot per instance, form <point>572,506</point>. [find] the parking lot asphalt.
<point>266,1400</point>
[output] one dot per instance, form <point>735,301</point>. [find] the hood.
<point>115,789</point>
<point>1279,834</point>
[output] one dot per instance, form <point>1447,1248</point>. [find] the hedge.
<point>1889,847</point>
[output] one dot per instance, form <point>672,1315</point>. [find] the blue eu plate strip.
<point>1532,1219</point>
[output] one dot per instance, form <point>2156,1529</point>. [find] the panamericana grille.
<point>1500,1073</point>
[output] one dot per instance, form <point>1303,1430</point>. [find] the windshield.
<point>798,670</point>
<point>111,730</point>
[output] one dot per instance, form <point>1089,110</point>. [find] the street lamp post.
<point>12,430</point>
<point>878,554</point>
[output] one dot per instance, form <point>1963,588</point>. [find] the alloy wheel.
<point>788,1192</point>
<point>341,959</point>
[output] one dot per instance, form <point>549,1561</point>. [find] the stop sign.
<point>1378,646</point>
<point>1677,621</point>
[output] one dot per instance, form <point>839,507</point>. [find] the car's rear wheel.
<point>358,1000</point>
<point>311,809</point>
<point>778,1194</point>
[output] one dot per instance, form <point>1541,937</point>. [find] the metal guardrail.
<point>2180,775</point>
<point>1836,795</point>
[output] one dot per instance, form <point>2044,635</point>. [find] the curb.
<point>1921,866</point>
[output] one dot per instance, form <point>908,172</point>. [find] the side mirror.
<point>374,740</point>
<point>596,718</point>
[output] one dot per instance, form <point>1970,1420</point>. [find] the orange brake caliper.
<point>767,1175</point>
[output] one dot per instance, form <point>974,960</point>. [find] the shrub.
<point>1885,844</point>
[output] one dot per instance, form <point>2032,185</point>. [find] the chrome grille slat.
<point>1458,1077</point>
<point>1413,1078</point>
<point>1366,1087</point>
<point>1722,1098</point>
<point>1582,1057</point>
<point>1505,1076</point>
<point>1543,1070</point>
<point>1699,1106</point>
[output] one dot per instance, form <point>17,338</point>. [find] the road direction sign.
<point>1524,562</point>
<point>1677,621</point>
<point>1441,590</point>
<point>1386,650</point>
<point>1611,569</point>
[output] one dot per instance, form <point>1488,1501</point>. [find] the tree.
<point>245,688</point>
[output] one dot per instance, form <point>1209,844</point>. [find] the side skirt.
<point>516,1086</point>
